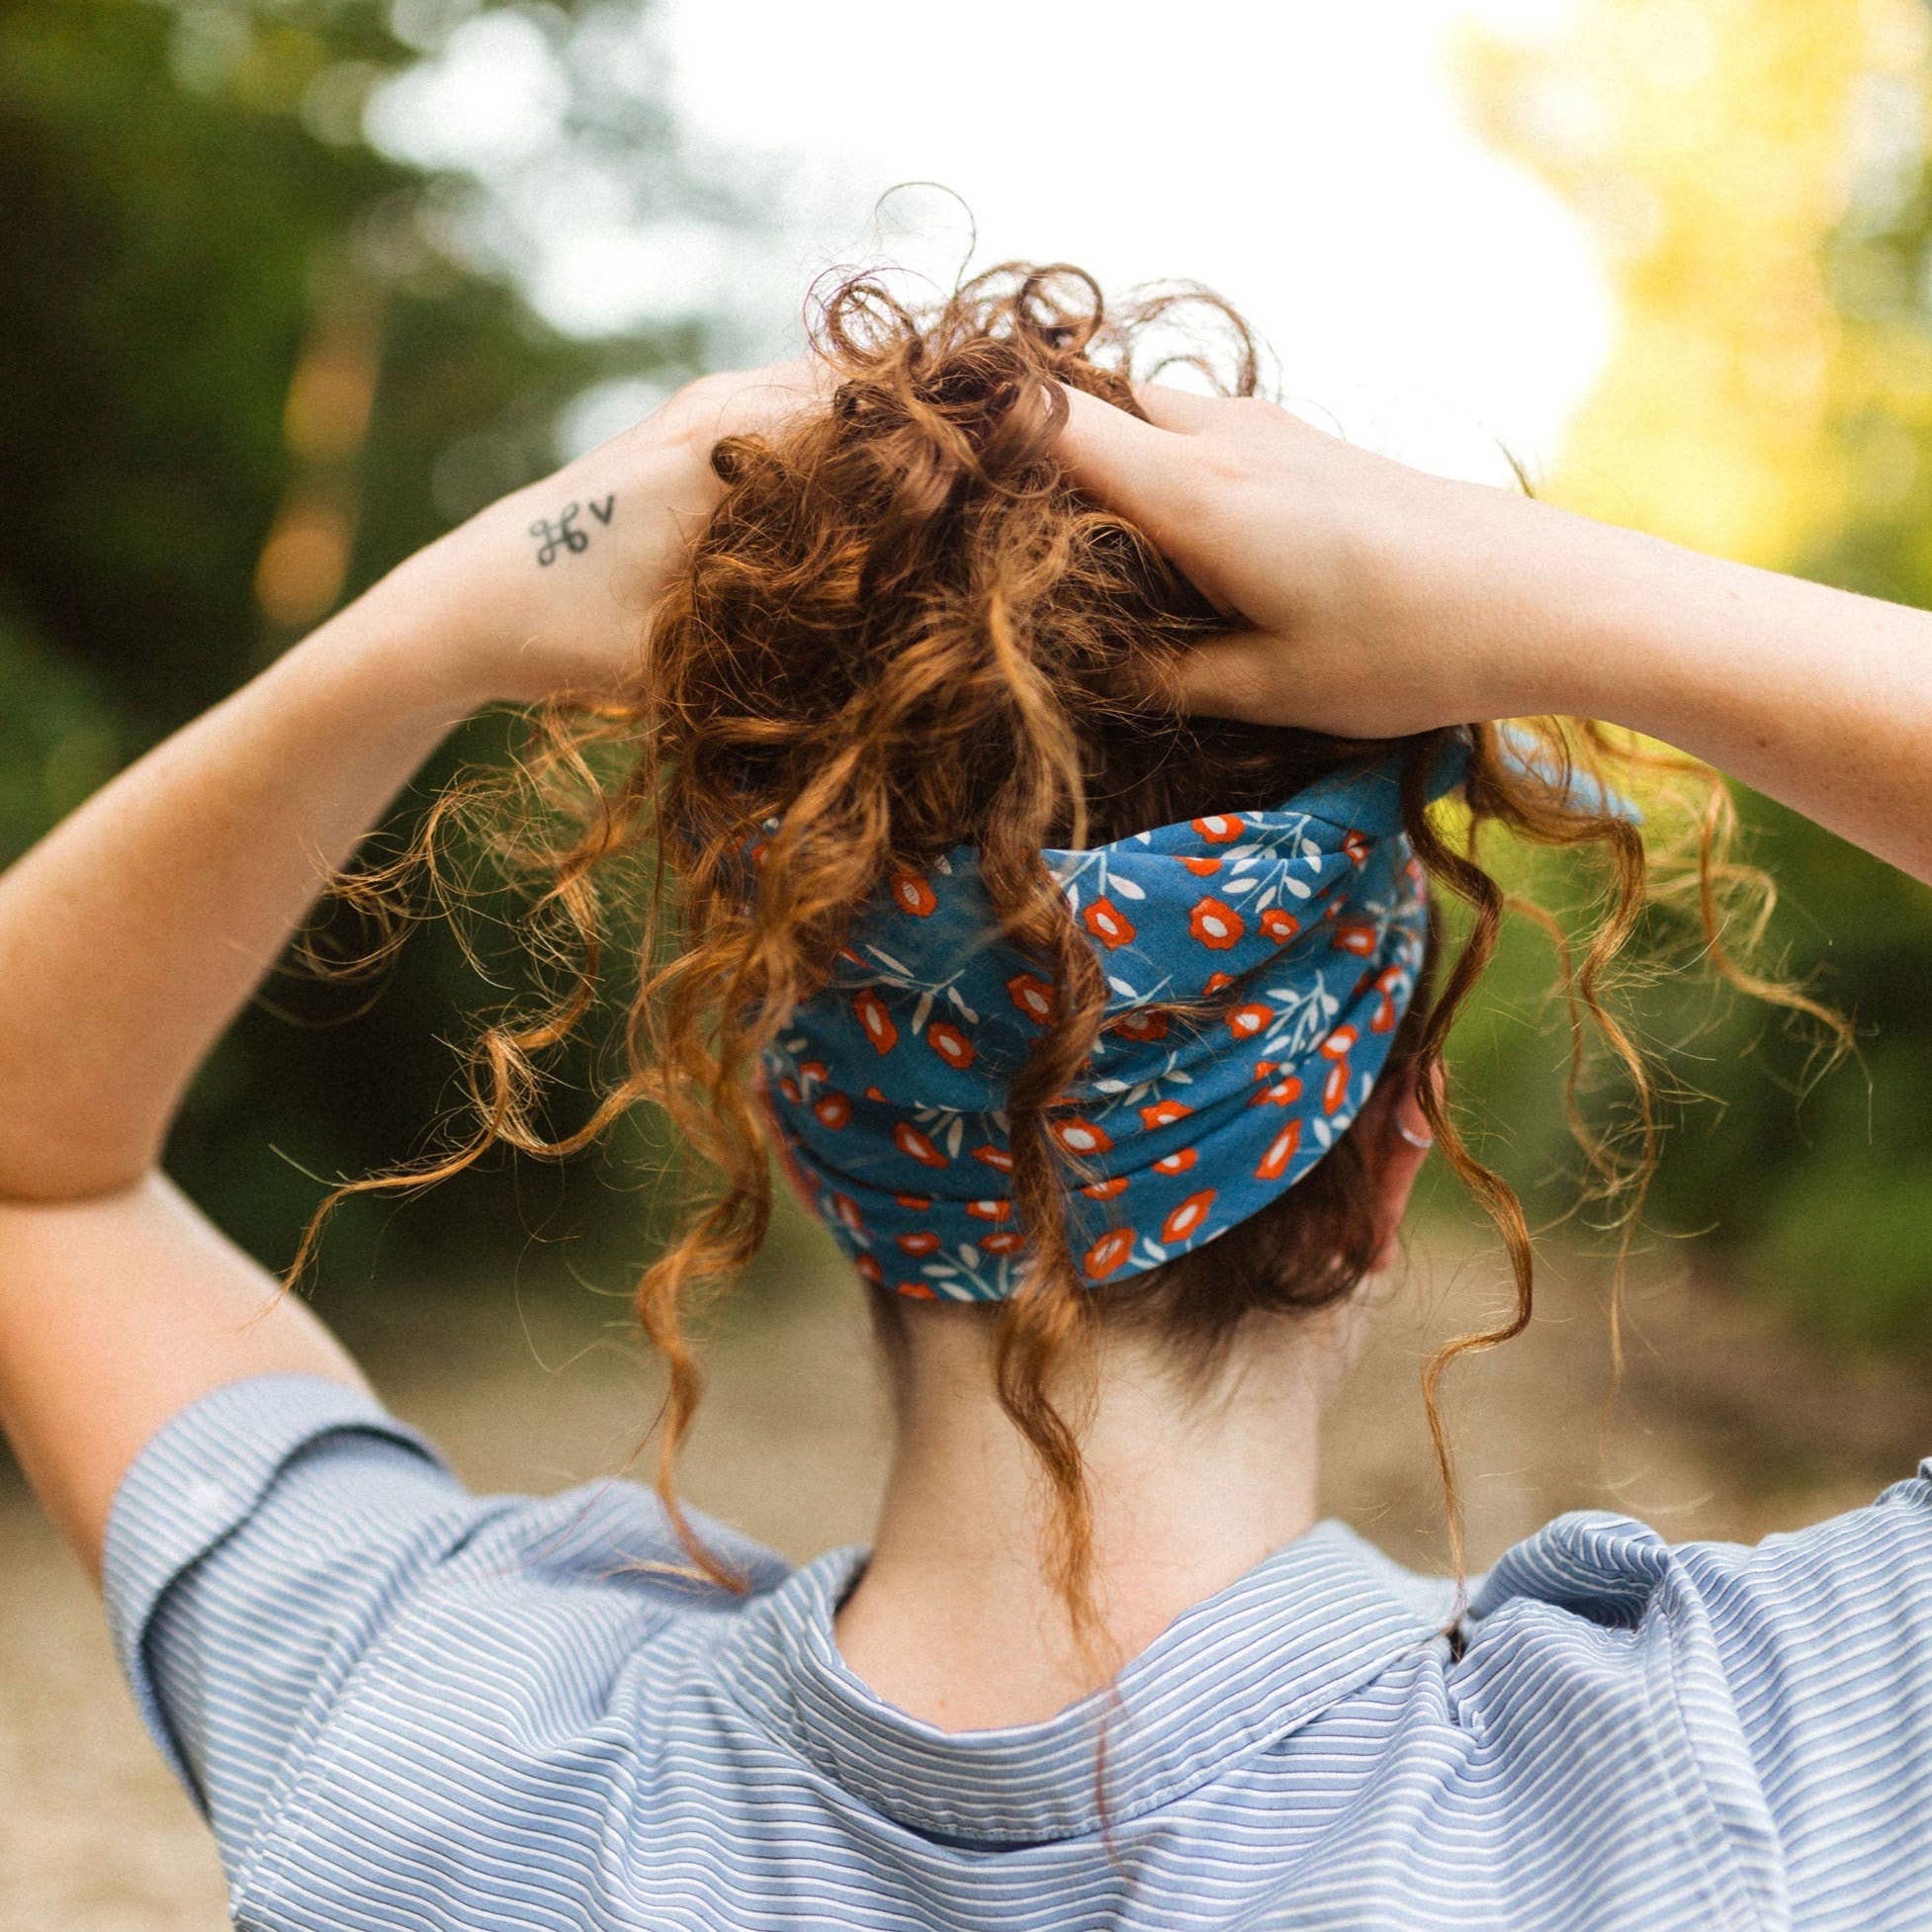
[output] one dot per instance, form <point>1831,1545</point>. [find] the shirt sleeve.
<point>256,1550</point>
<point>1825,1641</point>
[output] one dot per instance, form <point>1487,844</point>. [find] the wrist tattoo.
<point>561,533</point>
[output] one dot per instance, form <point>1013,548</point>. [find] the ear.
<point>1404,1139</point>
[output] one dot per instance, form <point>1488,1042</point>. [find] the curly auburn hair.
<point>904,629</point>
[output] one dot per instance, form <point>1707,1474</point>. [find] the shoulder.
<point>1618,1573</point>
<point>1782,1690</point>
<point>319,1621</point>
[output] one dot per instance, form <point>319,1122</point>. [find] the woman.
<point>1109,1045</point>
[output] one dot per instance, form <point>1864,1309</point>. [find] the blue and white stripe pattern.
<point>407,1707</point>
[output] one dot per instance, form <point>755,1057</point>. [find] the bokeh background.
<point>287,287</point>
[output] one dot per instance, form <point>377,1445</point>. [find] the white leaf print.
<point>955,1134</point>
<point>965,1012</point>
<point>922,1012</point>
<point>886,960</point>
<point>1235,886</point>
<point>969,1255</point>
<point>1109,1087</point>
<point>1121,986</point>
<point>1126,887</point>
<point>1300,887</point>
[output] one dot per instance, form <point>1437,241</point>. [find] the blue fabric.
<point>1303,929</point>
<point>407,1707</point>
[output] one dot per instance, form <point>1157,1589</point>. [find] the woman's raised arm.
<point>1368,597</point>
<point>132,933</point>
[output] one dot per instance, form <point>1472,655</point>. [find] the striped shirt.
<point>404,1705</point>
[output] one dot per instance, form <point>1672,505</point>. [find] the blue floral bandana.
<point>1302,926</point>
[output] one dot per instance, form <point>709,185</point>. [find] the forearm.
<point>1819,698</point>
<point>132,934</point>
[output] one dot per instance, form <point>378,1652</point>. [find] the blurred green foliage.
<point>189,201</point>
<point>1822,1194</point>
<point>1761,202</point>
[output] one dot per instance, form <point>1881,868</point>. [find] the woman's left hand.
<point>551,584</point>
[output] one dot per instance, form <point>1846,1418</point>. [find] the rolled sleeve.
<point>255,1551</point>
<point>1825,1636</point>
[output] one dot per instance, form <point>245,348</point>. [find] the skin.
<point>132,934</point>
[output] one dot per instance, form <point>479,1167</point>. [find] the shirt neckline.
<point>1284,1641</point>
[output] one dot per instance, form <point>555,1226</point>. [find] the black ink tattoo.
<point>563,534</point>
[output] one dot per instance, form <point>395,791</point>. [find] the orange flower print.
<point>1081,1137</point>
<point>1163,1113</point>
<point>1108,1253</point>
<point>1179,1161</point>
<point>950,1044</point>
<point>844,1210</point>
<point>1279,925</point>
<point>834,1109</point>
<point>1382,1021</point>
<point>1336,1048</point>
<point>868,1266</point>
<point>989,1211</point>
<point>911,894</point>
<point>1334,1087</point>
<point>791,1090</point>
<point>814,1070</point>
<point>875,1020</point>
<point>909,1140</point>
<point>918,1204</point>
<point>1219,827</point>
<point>924,1242</point>
<point>1356,844</point>
<point>1033,997</point>
<point>1245,1021</point>
<point>1202,868</point>
<point>1215,923</point>
<point>873,1094</point>
<point>996,1158</point>
<point>1114,1184</point>
<point>1280,1151</point>
<point>1186,1219</point>
<point>1007,1241</point>
<point>1141,1026</point>
<point>1355,935</point>
<point>917,1290</point>
<point>1215,983</point>
<point>1109,923</point>
<point>1280,1093</point>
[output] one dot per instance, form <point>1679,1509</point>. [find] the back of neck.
<point>956,1618</point>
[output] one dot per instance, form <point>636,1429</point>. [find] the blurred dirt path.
<point>1725,1428</point>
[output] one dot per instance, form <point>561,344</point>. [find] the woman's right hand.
<point>1348,579</point>
<point>1369,599</point>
